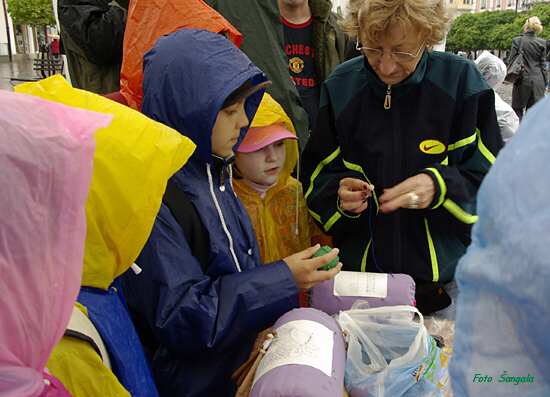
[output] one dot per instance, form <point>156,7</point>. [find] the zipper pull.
<point>222,180</point>
<point>387,101</point>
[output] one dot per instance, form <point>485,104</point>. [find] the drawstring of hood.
<point>231,176</point>
<point>222,188</point>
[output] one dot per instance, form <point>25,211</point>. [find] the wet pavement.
<point>23,69</point>
<point>505,92</point>
<point>20,68</point>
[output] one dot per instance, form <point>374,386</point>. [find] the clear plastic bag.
<point>390,354</point>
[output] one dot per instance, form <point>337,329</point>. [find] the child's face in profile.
<point>264,165</point>
<point>227,129</point>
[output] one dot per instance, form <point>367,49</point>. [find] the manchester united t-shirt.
<point>301,62</point>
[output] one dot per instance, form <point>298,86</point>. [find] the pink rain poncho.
<point>46,167</point>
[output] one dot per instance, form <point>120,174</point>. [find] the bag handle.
<point>378,362</point>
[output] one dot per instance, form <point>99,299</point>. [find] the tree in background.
<point>32,12</point>
<point>35,13</point>
<point>492,30</point>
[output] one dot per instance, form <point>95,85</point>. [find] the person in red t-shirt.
<point>55,48</point>
<point>307,24</point>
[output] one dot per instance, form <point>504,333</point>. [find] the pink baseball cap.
<point>259,137</point>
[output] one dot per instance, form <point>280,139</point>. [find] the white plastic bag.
<point>389,354</point>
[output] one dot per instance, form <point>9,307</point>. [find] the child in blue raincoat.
<point>203,291</point>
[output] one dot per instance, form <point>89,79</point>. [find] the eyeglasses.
<point>396,56</point>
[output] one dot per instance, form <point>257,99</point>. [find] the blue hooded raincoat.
<point>205,321</point>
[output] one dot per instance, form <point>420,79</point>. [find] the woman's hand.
<point>354,194</point>
<point>304,268</point>
<point>416,192</point>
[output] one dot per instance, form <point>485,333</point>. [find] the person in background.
<point>494,71</point>
<point>314,45</point>
<point>403,139</point>
<point>92,34</point>
<point>530,89</point>
<point>55,48</point>
<point>203,292</point>
<point>263,43</point>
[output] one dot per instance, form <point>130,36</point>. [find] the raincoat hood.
<point>187,75</point>
<point>268,113</point>
<point>492,68</point>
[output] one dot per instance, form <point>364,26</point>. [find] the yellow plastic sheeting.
<point>134,158</point>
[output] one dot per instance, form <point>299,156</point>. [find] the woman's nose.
<point>387,64</point>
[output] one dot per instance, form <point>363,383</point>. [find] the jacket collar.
<point>398,90</point>
<point>221,163</point>
<point>320,9</point>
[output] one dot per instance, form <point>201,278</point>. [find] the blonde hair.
<point>533,23</point>
<point>372,17</point>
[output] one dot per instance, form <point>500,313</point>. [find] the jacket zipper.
<point>387,100</point>
<point>222,180</point>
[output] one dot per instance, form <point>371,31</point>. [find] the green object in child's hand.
<point>322,251</point>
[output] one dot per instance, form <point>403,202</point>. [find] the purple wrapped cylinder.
<point>298,379</point>
<point>400,291</point>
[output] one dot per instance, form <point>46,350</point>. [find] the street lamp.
<point>522,4</point>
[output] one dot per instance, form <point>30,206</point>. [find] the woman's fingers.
<point>354,194</point>
<point>416,192</point>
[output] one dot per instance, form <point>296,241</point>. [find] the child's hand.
<point>304,268</point>
<point>354,195</point>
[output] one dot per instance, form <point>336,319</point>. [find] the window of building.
<point>483,4</point>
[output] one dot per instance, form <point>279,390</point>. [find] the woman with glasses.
<point>403,139</point>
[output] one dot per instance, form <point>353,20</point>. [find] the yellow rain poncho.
<point>275,218</point>
<point>134,158</point>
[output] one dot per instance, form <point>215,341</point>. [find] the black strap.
<point>85,338</point>
<point>187,217</point>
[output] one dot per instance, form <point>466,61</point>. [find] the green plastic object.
<point>322,251</point>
